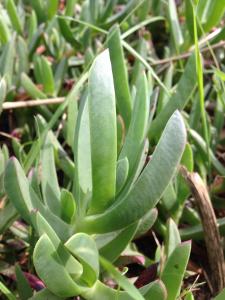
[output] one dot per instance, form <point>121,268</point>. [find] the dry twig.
<point>31,103</point>
<point>211,231</point>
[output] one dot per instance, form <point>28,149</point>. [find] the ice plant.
<point>89,226</point>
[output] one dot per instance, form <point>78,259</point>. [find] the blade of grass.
<point>199,71</point>
<point>6,292</point>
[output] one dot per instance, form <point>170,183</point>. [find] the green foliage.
<point>96,174</point>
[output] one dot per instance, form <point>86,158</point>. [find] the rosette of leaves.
<point>114,193</point>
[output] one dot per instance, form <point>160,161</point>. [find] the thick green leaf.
<point>174,269</point>
<point>38,7</point>
<point>52,7</point>
<point>169,199</point>
<point>114,248</point>
<point>154,290</point>
<point>4,31</point>
<point>47,76</point>
<point>212,13</point>
<point>185,87</point>
<point>82,155</point>
<point>68,206</point>
<point>103,292</point>
<point>138,68</point>
<point>23,56</point>
<point>62,159</point>
<point>71,120</point>
<point>7,60</point>
<point>31,88</point>
<point>49,181</point>
<point>123,97</point>
<point>25,199</point>
<point>52,271</point>
<point>172,237</point>
<point>102,115</point>
<point>84,248</point>
<point>32,25</point>
<point>175,25</point>
<point>70,5</point>
<point>138,126</point>
<point>14,17</point>
<point>146,222</point>
<point>7,216</point>
<point>67,33</point>
<point>121,173</point>
<point>17,188</point>
<point>34,151</point>
<point>60,74</point>
<point>149,187</point>
<point>72,266</point>
<point>164,97</point>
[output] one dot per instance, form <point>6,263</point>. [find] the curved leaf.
<point>149,187</point>
<point>25,199</point>
<point>72,266</point>
<point>84,248</point>
<point>51,270</point>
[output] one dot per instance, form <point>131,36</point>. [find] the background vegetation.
<point>101,136</point>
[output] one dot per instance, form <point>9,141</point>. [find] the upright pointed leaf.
<point>120,76</point>
<point>82,155</point>
<point>102,114</point>
<point>4,31</point>
<point>174,270</point>
<point>154,290</point>
<point>172,238</point>
<point>25,199</point>
<point>14,17</point>
<point>175,25</point>
<point>185,87</point>
<point>68,206</point>
<point>138,126</point>
<point>49,181</point>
